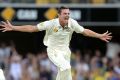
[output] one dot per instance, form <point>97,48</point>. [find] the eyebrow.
<point>66,13</point>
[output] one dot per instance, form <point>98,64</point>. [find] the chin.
<point>66,22</point>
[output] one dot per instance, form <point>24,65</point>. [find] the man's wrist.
<point>12,28</point>
<point>98,36</point>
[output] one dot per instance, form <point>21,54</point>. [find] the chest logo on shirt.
<point>55,29</point>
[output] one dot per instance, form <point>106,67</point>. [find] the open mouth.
<point>66,18</point>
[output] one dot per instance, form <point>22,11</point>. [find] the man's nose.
<point>67,14</point>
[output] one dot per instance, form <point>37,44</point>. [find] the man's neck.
<point>62,23</point>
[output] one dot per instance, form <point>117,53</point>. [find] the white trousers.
<point>61,58</point>
<point>2,77</point>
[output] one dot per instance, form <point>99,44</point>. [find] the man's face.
<point>64,15</point>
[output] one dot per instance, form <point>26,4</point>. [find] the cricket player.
<point>58,35</point>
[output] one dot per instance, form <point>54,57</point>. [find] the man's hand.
<point>106,36</point>
<point>6,26</point>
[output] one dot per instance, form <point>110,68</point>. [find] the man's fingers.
<point>1,25</point>
<point>8,22</point>
<point>3,22</point>
<point>109,33</point>
<point>4,30</point>
<point>106,40</point>
<point>106,32</point>
<point>109,38</point>
<point>4,26</point>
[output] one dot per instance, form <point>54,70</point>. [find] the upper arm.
<point>77,28</point>
<point>85,32</point>
<point>44,25</point>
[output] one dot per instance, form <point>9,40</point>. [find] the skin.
<point>63,20</point>
<point>64,17</point>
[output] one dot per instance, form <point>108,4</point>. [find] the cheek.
<point>63,17</point>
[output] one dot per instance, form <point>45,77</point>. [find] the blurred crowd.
<point>59,1</point>
<point>37,66</point>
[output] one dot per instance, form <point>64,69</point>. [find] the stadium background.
<point>21,52</point>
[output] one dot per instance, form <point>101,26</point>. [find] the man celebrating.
<point>58,35</point>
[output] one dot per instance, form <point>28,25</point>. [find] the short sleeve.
<point>77,28</point>
<point>44,25</point>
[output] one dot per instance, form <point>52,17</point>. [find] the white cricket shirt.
<point>56,35</point>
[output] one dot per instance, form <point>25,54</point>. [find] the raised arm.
<point>7,26</point>
<point>105,36</point>
<point>87,32</point>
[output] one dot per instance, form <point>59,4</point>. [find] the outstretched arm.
<point>105,36</point>
<point>7,26</point>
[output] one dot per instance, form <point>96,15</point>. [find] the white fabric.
<point>57,40</point>
<point>60,57</point>
<point>64,75</point>
<point>56,35</point>
<point>2,77</point>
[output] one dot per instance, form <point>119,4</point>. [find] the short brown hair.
<point>62,7</point>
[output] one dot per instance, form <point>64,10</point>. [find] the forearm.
<point>91,33</point>
<point>25,28</point>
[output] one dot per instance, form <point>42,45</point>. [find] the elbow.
<point>32,29</point>
<point>86,32</point>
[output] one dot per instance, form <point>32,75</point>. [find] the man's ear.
<point>58,15</point>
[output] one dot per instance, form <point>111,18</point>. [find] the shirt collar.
<point>58,23</point>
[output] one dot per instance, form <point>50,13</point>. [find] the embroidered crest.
<point>55,29</point>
